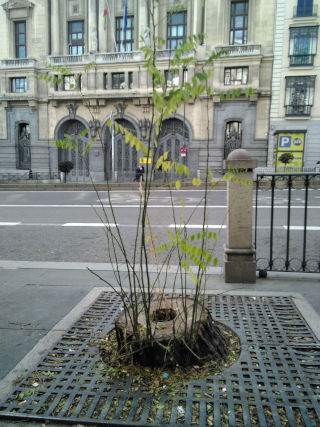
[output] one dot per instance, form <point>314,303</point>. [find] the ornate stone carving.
<point>121,107</point>
<point>18,9</point>
<point>72,108</point>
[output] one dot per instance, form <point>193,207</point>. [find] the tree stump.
<point>174,340</point>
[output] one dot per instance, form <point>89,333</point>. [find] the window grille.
<point>299,95</point>
<point>303,45</point>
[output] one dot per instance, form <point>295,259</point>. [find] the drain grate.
<point>275,382</point>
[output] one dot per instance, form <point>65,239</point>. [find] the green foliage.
<point>66,166</point>
<point>235,176</point>
<point>286,158</point>
<point>191,247</point>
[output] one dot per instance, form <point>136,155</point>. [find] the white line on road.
<point>198,226</point>
<point>87,224</point>
<point>113,205</point>
<point>149,206</point>
<point>299,227</point>
<point>192,226</point>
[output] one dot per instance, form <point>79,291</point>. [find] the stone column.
<point>93,31</point>
<point>144,30</point>
<point>55,25</point>
<point>239,254</point>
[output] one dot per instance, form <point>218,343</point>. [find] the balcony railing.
<point>70,59</point>
<point>241,50</point>
<point>19,63</point>
<point>305,11</point>
<point>298,60</point>
<point>112,57</point>
<point>298,110</point>
<point>167,53</point>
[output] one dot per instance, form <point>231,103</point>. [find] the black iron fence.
<point>286,222</point>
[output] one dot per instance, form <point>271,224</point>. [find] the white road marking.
<point>150,206</point>
<point>87,224</point>
<point>192,226</point>
<point>299,227</point>
<point>198,226</point>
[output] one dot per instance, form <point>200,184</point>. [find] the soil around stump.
<point>173,341</point>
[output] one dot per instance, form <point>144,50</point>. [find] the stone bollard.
<point>239,254</point>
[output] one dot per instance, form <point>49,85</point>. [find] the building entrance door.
<point>125,159</point>
<point>81,167</point>
<point>233,137</point>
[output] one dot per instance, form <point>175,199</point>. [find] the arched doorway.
<point>125,157</point>
<point>173,135</point>
<point>233,137</point>
<point>80,171</point>
<point>23,146</point>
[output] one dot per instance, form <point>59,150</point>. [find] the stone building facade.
<point>38,35</point>
<point>295,106</point>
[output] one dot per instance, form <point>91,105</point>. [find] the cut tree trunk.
<point>182,332</point>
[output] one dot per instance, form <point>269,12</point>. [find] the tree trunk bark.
<point>182,332</point>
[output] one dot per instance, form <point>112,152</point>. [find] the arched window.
<point>233,137</point>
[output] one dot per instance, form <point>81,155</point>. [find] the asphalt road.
<point>68,226</point>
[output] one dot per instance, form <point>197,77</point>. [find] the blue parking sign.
<point>285,141</point>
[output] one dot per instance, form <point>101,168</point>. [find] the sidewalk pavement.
<point>41,301</point>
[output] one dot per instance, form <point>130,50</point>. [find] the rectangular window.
<point>176,29</point>
<point>130,79</point>
<point>305,8</point>
<point>105,80</point>
<point>172,78</point>
<point>236,76</point>
<point>239,22</point>
<point>303,45</point>
<point>71,82</point>
<point>185,76</point>
<point>124,40</point>
<point>118,81</point>
<point>299,95</point>
<point>20,39</point>
<point>19,84</point>
<point>76,37</point>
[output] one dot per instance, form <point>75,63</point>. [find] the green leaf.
<point>185,265</point>
<point>178,185</point>
<point>84,132</point>
<point>196,182</point>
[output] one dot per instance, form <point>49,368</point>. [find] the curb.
<point>100,187</point>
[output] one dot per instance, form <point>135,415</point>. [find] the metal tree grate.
<point>275,382</point>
